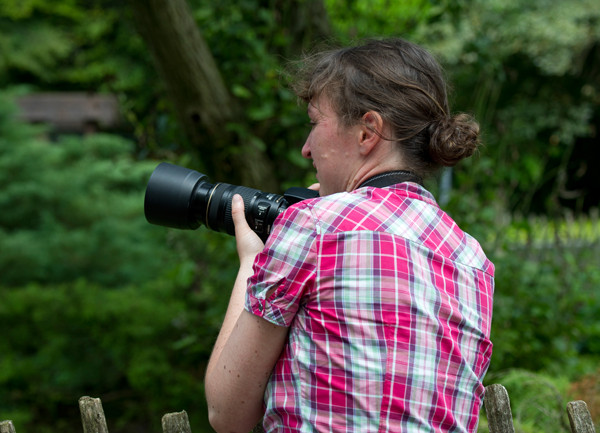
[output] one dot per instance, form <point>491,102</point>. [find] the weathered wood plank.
<point>92,415</point>
<point>580,418</point>
<point>176,422</point>
<point>497,408</point>
<point>7,427</point>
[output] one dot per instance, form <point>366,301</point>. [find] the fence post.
<point>92,415</point>
<point>7,427</point>
<point>497,408</point>
<point>580,418</point>
<point>176,422</point>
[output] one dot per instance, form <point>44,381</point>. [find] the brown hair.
<point>405,85</point>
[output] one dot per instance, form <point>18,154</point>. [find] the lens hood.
<point>169,195</point>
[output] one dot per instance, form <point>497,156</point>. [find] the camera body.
<point>182,198</point>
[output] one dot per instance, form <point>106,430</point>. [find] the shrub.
<point>547,302</point>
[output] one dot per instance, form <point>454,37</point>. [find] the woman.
<point>368,309</point>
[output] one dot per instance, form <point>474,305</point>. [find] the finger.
<point>238,212</point>
<point>248,243</point>
<point>315,187</point>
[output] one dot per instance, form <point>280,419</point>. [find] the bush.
<point>547,302</point>
<point>93,299</point>
<point>73,209</point>
<point>126,346</point>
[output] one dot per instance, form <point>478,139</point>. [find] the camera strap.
<point>391,178</point>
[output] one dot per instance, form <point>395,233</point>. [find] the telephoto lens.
<point>182,198</point>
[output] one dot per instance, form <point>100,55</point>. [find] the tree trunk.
<point>306,20</point>
<point>185,62</point>
<point>195,87</point>
<point>202,101</point>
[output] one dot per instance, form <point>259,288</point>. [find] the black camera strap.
<point>391,178</point>
<point>296,194</point>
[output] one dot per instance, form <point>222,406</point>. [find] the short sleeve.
<point>285,269</point>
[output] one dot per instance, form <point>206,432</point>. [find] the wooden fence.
<point>496,401</point>
<point>497,408</point>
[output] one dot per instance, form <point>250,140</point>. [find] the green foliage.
<point>126,346</point>
<point>142,349</point>
<point>529,73</point>
<point>85,46</point>
<point>74,208</point>
<point>369,18</point>
<point>546,302</point>
<point>251,42</point>
<point>96,300</point>
<point>67,43</point>
<point>94,47</point>
<point>536,106</point>
<point>33,49</point>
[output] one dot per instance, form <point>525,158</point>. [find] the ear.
<point>371,132</point>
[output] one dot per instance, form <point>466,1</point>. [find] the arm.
<point>246,350</point>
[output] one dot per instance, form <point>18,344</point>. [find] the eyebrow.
<point>312,109</point>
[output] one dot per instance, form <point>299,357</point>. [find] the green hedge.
<point>547,305</point>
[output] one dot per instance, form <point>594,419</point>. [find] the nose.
<point>306,150</point>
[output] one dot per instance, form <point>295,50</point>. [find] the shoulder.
<point>366,208</point>
<point>323,214</point>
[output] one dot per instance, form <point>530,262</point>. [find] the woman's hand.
<point>248,242</point>
<point>315,187</point>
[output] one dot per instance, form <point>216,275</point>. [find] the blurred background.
<point>94,94</point>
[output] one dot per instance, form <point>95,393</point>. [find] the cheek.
<point>325,145</point>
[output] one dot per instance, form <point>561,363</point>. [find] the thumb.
<point>238,214</point>
<point>248,242</point>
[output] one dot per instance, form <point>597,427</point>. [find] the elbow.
<point>227,423</point>
<point>216,421</point>
<point>217,417</point>
<point>229,415</point>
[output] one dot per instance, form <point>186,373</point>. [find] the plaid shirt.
<point>389,306</point>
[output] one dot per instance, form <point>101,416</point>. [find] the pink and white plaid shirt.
<point>389,306</point>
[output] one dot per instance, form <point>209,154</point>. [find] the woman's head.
<point>405,85</point>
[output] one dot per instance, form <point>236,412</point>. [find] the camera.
<point>182,198</point>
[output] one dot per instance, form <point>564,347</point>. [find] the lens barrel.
<point>261,209</point>
<point>182,198</point>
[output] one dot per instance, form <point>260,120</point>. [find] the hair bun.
<point>453,138</point>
